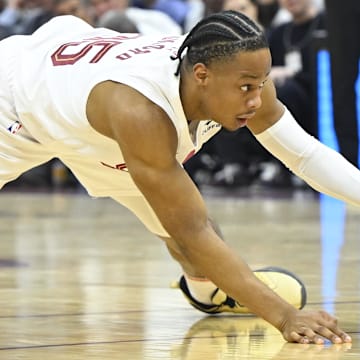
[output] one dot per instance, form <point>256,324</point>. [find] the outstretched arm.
<point>148,141</point>
<point>321,167</point>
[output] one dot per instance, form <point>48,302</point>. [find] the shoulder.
<point>142,130</point>
<point>117,110</point>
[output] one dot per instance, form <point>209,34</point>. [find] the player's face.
<point>232,90</point>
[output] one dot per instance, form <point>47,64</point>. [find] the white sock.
<point>201,289</point>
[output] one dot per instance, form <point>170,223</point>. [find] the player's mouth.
<point>242,120</point>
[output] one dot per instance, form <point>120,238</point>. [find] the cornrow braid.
<point>220,35</point>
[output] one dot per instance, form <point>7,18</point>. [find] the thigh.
<point>104,181</point>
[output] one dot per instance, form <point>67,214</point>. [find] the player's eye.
<point>245,88</point>
<point>249,87</point>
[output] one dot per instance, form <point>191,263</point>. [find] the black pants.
<point>343,25</point>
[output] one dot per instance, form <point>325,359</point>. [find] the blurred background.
<point>309,71</point>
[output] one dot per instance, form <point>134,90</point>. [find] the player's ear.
<point>201,73</point>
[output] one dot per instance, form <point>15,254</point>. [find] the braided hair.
<point>220,36</point>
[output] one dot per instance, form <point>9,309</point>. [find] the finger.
<point>330,322</point>
<point>346,338</point>
<point>339,335</point>
<point>313,337</point>
<point>326,333</point>
<point>301,339</point>
<point>336,336</point>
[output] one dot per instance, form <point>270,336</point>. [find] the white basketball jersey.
<point>56,68</point>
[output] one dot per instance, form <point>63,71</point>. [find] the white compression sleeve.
<point>321,167</point>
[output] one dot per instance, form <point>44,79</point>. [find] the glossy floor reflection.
<point>82,279</point>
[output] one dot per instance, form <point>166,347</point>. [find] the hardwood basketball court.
<point>82,279</point>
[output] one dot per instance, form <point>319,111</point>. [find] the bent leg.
<point>197,289</point>
<point>205,296</point>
